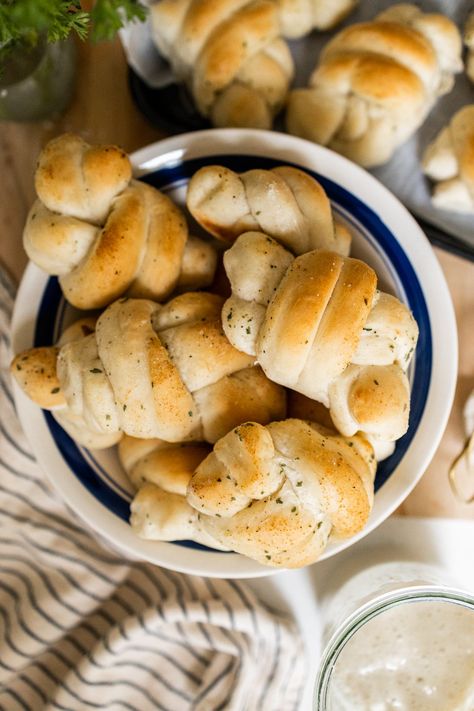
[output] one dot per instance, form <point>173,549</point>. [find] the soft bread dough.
<point>375,83</point>
<point>449,162</point>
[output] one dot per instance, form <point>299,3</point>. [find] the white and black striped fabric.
<point>81,628</point>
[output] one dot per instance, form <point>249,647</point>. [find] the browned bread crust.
<point>277,493</point>
<point>104,234</point>
<point>151,371</point>
<point>229,53</point>
<point>375,83</point>
<point>286,203</point>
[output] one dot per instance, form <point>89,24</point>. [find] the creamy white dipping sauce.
<point>417,656</point>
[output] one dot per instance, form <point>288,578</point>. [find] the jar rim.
<point>356,620</point>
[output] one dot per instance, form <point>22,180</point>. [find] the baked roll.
<point>318,325</point>
<point>449,162</point>
<point>275,494</point>
<point>35,371</point>
<point>286,203</point>
<point>381,415</point>
<point>376,82</point>
<point>230,55</point>
<point>299,17</point>
<point>151,371</point>
<point>161,472</point>
<point>105,234</point>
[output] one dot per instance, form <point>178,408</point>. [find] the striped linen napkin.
<point>81,628</point>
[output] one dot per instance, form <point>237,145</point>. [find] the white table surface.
<point>446,543</point>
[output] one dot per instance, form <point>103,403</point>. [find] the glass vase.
<point>37,83</point>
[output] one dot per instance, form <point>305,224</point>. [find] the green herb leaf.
<point>24,22</point>
<point>108,16</point>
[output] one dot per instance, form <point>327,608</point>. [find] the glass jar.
<point>37,82</point>
<point>400,639</point>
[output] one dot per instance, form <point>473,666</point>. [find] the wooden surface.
<point>103,111</point>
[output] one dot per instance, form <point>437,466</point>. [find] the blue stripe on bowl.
<point>386,244</point>
<point>118,488</point>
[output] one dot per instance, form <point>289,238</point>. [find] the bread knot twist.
<point>161,472</point>
<point>230,55</point>
<point>277,493</point>
<point>449,161</point>
<point>299,17</point>
<point>318,325</point>
<point>286,203</point>
<point>103,233</point>
<point>151,371</point>
<point>376,82</point>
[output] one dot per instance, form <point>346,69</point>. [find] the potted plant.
<point>37,50</point>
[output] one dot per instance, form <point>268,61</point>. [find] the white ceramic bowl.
<point>384,234</point>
